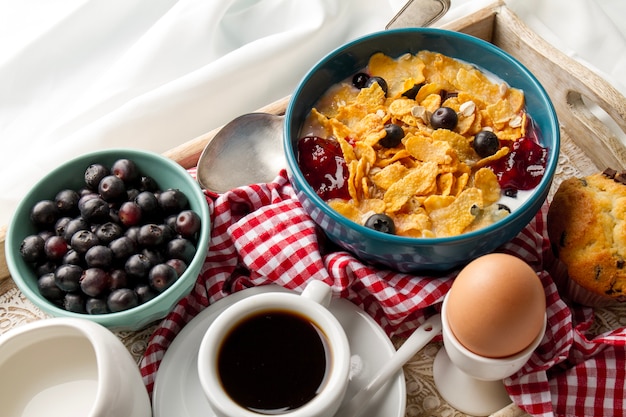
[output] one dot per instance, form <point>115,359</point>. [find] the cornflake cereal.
<point>411,144</point>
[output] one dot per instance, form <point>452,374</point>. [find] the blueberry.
<point>99,256</point>
<point>94,174</point>
<point>95,210</point>
<point>122,299</point>
<point>150,235</point>
<point>60,225</point>
<point>96,306</point>
<point>155,256</point>
<point>187,223</point>
<point>377,80</point>
<point>45,267</point>
<point>74,226</point>
<point>32,248</point>
<point>74,302</point>
<point>112,188</point>
<point>44,213</point>
<point>126,170</point>
<point>412,92</point>
<point>393,136</point>
<point>67,277</point>
<point>145,293</point>
<point>147,183</point>
<point>161,277</point>
<point>55,248</point>
<point>169,232</point>
<point>148,203</point>
<point>48,287</point>
<point>72,257</point>
<point>130,213</point>
<point>504,207</point>
<point>360,80</point>
<point>381,222</point>
<point>67,202</point>
<point>486,143</point>
<point>95,282</point>
<point>122,247</point>
<point>444,118</point>
<point>83,240</point>
<point>119,279</point>
<point>108,232</point>
<point>138,265</point>
<point>178,265</point>
<point>181,248</point>
<point>173,200</point>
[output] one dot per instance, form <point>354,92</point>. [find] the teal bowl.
<point>168,174</point>
<point>407,254</point>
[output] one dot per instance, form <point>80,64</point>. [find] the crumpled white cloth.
<point>82,75</point>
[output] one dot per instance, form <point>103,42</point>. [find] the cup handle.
<point>318,291</point>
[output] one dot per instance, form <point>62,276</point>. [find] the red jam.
<point>323,166</point>
<point>525,165</point>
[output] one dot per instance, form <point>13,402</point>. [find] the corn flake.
<point>424,149</point>
<point>487,182</point>
<point>418,181</point>
<point>453,219</point>
<point>389,175</point>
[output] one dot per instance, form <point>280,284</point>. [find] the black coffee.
<point>273,362</point>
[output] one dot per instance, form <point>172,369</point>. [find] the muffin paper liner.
<point>261,235</point>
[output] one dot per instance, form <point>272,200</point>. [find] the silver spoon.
<point>249,149</point>
<point>418,339</point>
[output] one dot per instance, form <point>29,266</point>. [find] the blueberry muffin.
<point>587,230</point>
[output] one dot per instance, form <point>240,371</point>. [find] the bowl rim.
<point>543,186</point>
<point>113,319</point>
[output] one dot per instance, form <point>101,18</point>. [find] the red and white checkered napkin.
<point>261,235</point>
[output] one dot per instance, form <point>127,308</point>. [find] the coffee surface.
<point>273,362</point>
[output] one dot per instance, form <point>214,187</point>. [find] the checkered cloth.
<point>261,235</point>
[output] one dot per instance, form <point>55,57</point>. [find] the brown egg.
<point>496,306</point>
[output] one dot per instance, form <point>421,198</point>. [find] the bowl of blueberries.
<point>420,149</point>
<point>116,236</point>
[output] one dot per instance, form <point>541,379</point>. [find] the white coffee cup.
<point>302,372</point>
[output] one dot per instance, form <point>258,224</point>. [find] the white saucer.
<point>177,391</point>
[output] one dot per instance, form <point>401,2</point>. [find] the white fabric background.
<point>81,75</point>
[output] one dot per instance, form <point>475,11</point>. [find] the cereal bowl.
<point>167,175</point>
<point>404,253</point>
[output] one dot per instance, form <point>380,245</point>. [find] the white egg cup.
<point>472,383</point>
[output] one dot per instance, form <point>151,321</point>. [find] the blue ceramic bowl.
<point>418,254</point>
<point>168,174</point>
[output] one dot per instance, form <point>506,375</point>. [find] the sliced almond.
<point>504,89</point>
<point>516,121</point>
<point>468,108</point>
<point>421,112</point>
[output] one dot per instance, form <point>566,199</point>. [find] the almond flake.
<point>516,121</point>
<point>467,108</point>
<point>503,89</point>
<point>421,112</point>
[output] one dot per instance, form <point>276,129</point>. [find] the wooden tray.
<point>588,146</point>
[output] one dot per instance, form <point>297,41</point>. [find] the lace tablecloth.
<point>422,396</point>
